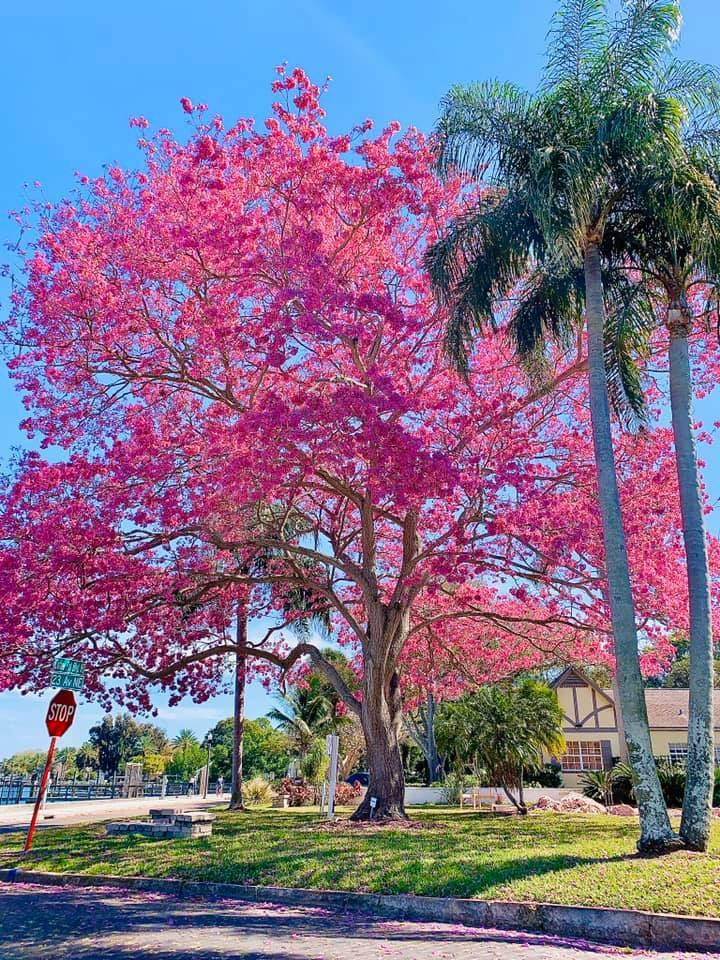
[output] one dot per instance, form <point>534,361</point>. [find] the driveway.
<point>64,922</point>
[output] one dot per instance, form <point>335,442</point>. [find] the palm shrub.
<point>564,167</point>
<point>598,784</point>
<point>257,792</point>
<point>672,780</point>
<point>503,730</point>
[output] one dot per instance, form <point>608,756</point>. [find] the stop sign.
<point>61,713</point>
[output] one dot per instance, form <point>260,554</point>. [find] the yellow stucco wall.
<point>597,718</point>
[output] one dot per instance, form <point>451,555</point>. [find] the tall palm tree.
<point>675,246</point>
<point>563,163</point>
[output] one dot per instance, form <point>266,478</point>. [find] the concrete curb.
<point>602,924</point>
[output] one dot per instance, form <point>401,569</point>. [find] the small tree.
<point>505,729</point>
<point>186,761</point>
<point>314,765</point>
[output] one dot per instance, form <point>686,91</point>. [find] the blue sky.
<point>72,74</point>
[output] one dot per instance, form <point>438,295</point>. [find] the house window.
<point>582,755</point>
<point>678,752</point>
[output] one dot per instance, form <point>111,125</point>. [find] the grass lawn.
<point>550,857</point>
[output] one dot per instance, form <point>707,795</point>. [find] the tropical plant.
<point>673,777</point>
<point>505,729</point>
<point>185,738</point>
<point>186,760</point>
<point>598,784</point>
<point>347,793</point>
<point>266,751</point>
<point>299,793</point>
<point>565,166</point>
<point>154,764</point>
<point>257,791</point>
<point>314,765</point>
<point>307,712</point>
<point>24,763</point>
<point>117,740</point>
<point>87,757</point>
<point>549,775</point>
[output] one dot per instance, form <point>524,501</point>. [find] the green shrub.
<point>314,765</point>
<point>257,792</point>
<point>453,786</point>
<point>548,776</point>
<point>672,781</point>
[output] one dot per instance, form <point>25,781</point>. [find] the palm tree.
<point>308,713</point>
<point>676,248</point>
<point>504,730</point>
<point>563,164</point>
<point>185,738</point>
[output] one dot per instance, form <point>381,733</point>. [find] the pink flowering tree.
<point>238,352</point>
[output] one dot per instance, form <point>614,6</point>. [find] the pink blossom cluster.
<point>239,355</point>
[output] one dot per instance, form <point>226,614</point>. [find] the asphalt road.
<point>62,923</point>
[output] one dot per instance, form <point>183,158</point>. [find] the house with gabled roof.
<point>592,737</point>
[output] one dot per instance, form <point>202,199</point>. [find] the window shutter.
<point>606,747</point>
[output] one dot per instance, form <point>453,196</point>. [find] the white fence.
<point>417,796</point>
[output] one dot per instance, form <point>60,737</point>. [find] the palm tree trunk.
<point>697,801</point>
<point>655,831</point>
<point>236,796</point>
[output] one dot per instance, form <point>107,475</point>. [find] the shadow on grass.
<point>467,856</point>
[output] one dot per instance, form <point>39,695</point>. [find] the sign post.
<point>332,742</point>
<point>58,720</point>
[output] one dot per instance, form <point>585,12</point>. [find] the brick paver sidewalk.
<point>113,924</point>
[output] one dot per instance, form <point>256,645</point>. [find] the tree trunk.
<point>236,796</point>
<point>655,831</point>
<point>519,802</point>
<point>421,727</point>
<point>381,718</point>
<point>697,802</point>
<point>431,753</point>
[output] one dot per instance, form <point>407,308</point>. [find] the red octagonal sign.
<point>61,713</point>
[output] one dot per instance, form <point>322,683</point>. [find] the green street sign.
<point>68,674</point>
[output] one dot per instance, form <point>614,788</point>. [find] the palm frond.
<point>630,320</point>
<point>577,33</point>
<point>639,42</point>
<point>480,259</point>
<point>484,127</point>
<point>550,306</point>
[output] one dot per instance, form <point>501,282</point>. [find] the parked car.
<point>360,776</point>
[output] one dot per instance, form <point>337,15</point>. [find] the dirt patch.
<point>371,826</point>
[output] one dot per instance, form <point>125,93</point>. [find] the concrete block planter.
<point>167,822</point>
